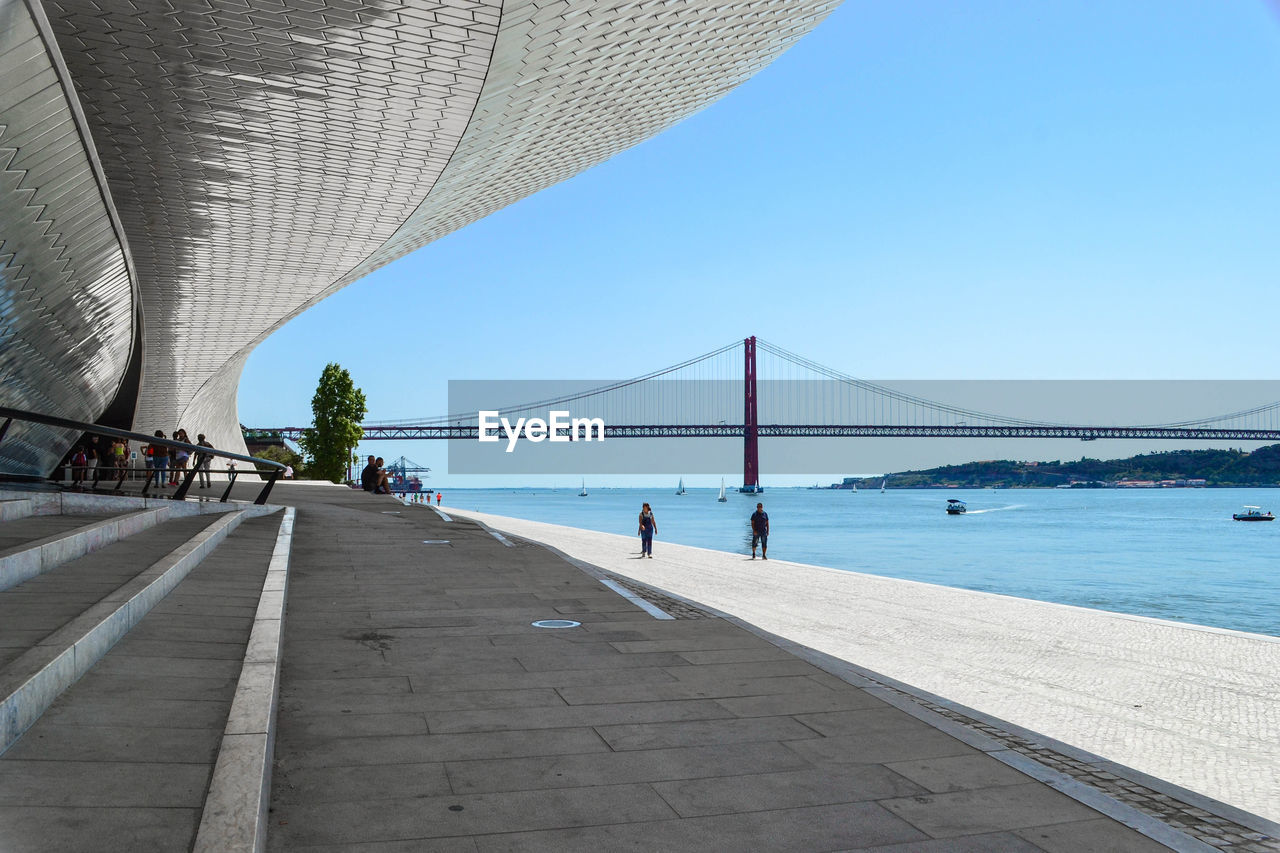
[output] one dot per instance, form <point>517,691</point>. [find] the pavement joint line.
<point>675,606</point>
<point>234,817</point>
<point>651,609</point>
<point>33,681</point>
<point>1167,813</point>
<point>504,540</point>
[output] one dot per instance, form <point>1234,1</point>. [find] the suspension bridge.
<point>721,394</point>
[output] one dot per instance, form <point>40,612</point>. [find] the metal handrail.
<point>11,415</point>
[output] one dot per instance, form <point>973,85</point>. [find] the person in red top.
<point>437,499</point>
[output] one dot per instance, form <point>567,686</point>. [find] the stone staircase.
<point>139,654</point>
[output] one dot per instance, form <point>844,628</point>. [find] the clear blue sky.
<point>1048,190</point>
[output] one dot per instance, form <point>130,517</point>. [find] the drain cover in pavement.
<point>556,623</point>
<point>435,541</point>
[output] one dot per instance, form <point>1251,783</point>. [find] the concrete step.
<point>123,760</point>
<point>34,609</point>
<point>65,538</point>
<point>19,533</point>
<point>83,608</point>
<point>11,509</point>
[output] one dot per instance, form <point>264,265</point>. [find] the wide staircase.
<point>139,653</point>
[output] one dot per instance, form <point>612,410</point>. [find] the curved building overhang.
<point>263,156</point>
<point>67,295</point>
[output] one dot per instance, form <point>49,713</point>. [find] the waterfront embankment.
<point>1196,706</point>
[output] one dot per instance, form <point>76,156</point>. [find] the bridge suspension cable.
<point>537,406</point>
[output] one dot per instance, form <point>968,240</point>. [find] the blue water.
<point>1168,553</point>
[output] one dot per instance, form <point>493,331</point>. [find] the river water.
<point>1168,553</point>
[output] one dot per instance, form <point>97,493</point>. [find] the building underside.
<point>179,178</point>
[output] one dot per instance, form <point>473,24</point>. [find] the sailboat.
<point>882,482</point>
<point>583,493</point>
<point>680,488</point>
<point>855,490</point>
<point>722,498</point>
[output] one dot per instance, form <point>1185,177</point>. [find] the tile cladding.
<point>262,155</point>
<point>66,299</point>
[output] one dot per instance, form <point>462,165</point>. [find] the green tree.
<point>284,456</point>
<point>338,407</point>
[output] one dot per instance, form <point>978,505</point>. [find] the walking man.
<point>202,462</point>
<point>760,532</point>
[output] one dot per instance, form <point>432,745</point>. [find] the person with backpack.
<point>79,465</point>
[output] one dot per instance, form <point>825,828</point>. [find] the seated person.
<point>369,476</point>
<point>382,483</point>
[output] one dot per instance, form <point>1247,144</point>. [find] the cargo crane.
<point>405,475</point>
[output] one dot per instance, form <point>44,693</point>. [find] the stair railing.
<point>196,451</point>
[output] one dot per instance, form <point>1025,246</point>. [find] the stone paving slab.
<point>1197,706</point>
<point>480,732</point>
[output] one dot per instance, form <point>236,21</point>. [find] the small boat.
<point>855,490</point>
<point>955,506</point>
<point>583,493</point>
<point>1253,513</point>
<point>751,489</point>
<point>722,498</point>
<point>882,482</point>
<point>680,488</point>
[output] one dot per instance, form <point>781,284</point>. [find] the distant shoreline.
<point>841,487</point>
<point>1176,469</point>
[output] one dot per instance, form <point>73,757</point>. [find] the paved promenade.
<point>420,710</point>
<point>1198,707</point>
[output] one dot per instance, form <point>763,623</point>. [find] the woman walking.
<point>648,527</point>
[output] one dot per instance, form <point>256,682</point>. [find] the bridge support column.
<point>750,430</point>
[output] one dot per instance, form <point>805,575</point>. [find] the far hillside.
<point>1219,468</point>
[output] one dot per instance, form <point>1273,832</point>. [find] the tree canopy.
<point>338,408</point>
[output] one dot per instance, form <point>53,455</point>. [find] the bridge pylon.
<point>750,422</point>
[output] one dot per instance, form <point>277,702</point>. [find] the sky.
<point>924,190</point>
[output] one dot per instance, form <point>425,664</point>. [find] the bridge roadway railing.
<point>1084,433</point>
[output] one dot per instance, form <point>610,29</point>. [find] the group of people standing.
<point>759,531</point>
<point>89,459</point>
<point>169,463</point>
